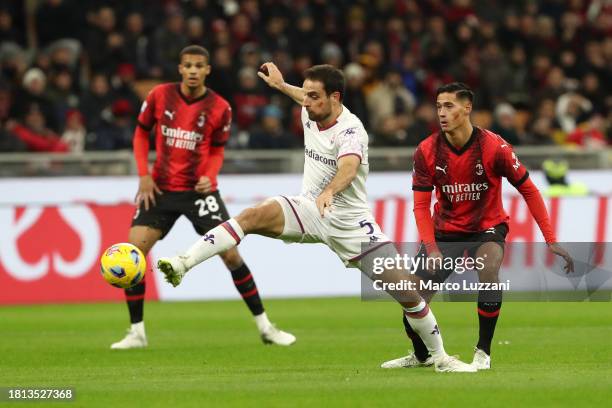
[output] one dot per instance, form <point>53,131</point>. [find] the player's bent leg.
<point>489,302</point>
<point>245,284</point>
<point>264,219</point>
<point>422,320</point>
<point>144,238</point>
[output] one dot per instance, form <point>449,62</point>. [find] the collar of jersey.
<point>331,125</point>
<point>187,100</point>
<point>465,146</point>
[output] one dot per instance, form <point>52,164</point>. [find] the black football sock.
<point>489,306</point>
<point>135,301</point>
<point>248,290</point>
<point>420,349</point>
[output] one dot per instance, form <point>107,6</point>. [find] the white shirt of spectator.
<point>323,148</point>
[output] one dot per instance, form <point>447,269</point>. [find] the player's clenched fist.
<point>270,73</point>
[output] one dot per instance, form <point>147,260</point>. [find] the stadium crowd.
<point>73,73</point>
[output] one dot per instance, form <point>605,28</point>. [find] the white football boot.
<point>173,268</point>
<point>409,361</point>
<point>451,364</point>
<point>135,338</point>
<point>272,335</point>
<point>482,361</point>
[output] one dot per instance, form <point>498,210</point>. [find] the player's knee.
<point>249,219</point>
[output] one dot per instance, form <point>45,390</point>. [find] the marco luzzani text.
<point>458,265</point>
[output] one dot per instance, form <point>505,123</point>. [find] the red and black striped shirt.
<point>468,181</point>
<point>185,131</point>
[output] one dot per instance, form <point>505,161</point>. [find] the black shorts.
<point>205,211</point>
<point>459,245</point>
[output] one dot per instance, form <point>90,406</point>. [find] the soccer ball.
<point>123,265</point>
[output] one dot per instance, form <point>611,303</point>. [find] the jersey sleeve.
<point>508,165</point>
<point>146,117</point>
<point>221,134</point>
<point>348,142</point>
<point>422,179</point>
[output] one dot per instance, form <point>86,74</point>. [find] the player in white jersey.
<point>332,208</point>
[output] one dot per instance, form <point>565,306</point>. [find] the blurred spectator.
<point>354,97</point>
<point>105,42</point>
<point>137,44</point>
<point>545,128</point>
<point>425,123</point>
<point>589,133</point>
<point>390,107</point>
<point>96,101</point>
<point>123,84</point>
<point>195,32</point>
<point>8,32</point>
<point>12,63</point>
<point>250,56</point>
<point>241,31</point>
<point>271,134</point>
<point>35,134</point>
<point>571,107</point>
<point>222,75</point>
<point>249,98</point>
<point>34,92</point>
<point>306,38</point>
<point>275,35</point>
<point>116,131</point>
<point>168,41</point>
<point>62,93</point>
<point>74,131</point>
<point>331,54</point>
<point>504,125</point>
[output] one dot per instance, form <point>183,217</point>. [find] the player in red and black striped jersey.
<point>465,166</point>
<point>192,124</point>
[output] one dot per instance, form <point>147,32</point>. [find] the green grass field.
<point>208,354</point>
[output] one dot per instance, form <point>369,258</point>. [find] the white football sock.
<point>423,321</point>
<point>262,322</point>
<point>219,239</point>
<point>139,328</point>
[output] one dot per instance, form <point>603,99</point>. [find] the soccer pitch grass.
<point>209,354</point>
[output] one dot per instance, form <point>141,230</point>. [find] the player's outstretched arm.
<point>347,171</point>
<point>272,76</point>
<point>534,201</point>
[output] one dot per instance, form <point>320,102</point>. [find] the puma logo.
<point>169,114</point>
<point>216,217</point>
<point>442,169</point>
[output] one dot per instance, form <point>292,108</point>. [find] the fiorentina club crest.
<point>209,238</point>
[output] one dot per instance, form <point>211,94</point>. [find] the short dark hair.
<point>331,77</point>
<point>194,50</point>
<point>459,88</point>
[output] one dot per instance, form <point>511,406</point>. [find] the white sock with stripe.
<point>219,239</point>
<point>423,321</point>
